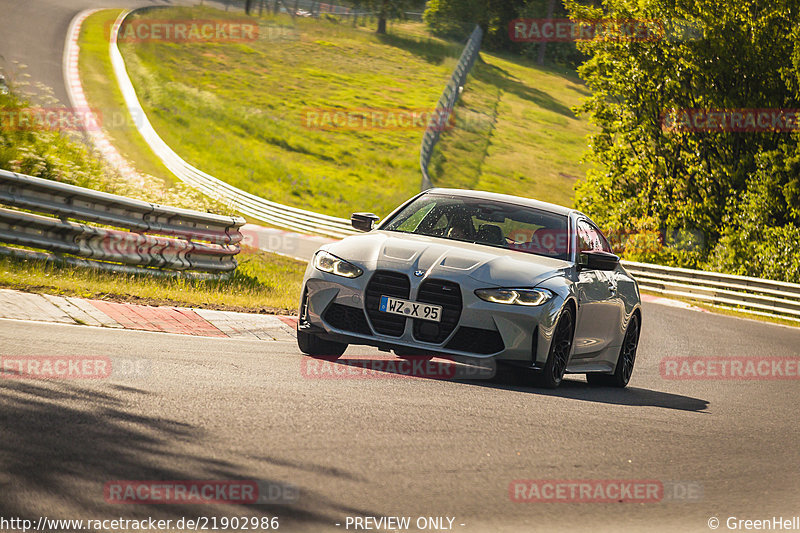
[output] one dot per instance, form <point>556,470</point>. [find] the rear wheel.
<point>625,361</point>
<point>560,348</point>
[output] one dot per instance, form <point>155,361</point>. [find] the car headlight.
<point>527,297</point>
<point>333,265</point>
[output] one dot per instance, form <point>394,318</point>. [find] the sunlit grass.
<point>262,281</point>
<point>515,132</point>
<point>236,110</point>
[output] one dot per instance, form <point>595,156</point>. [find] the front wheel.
<point>312,345</point>
<point>627,357</point>
<point>560,348</point>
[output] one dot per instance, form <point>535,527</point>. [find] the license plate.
<point>396,306</point>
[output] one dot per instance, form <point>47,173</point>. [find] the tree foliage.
<point>739,192</point>
<point>456,18</point>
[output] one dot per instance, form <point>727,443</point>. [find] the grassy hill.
<point>515,133</point>
<point>240,111</point>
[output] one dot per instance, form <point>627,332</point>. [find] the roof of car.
<point>483,195</point>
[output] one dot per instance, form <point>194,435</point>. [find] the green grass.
<point>235,110</point>
<point>516,133</point>
<point>262,283</point>
<point>103,94</point>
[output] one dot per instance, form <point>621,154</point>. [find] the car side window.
<point>590,238</point>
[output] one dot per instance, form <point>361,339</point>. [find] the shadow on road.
<point>630,396</point>
<point>519,380</point>
<point>60,443</point>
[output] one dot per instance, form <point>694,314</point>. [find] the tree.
<point>456,18</point>
<point>733,188</point>
<point>387,9</point>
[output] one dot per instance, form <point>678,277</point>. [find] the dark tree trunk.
<point>248,6</point>
<point>551,5</point>
<point>382,18</point>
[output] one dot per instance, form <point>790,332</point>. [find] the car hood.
<point>445,258</point>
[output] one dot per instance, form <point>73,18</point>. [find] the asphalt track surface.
<point>397,446</point>
<point>386,445</point>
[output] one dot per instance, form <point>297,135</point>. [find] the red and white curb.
<point>72,81</point>
<point>179,320</point>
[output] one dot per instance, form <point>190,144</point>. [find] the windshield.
<point>487,222</point>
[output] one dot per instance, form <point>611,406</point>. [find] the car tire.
<point>625,361</point>
<point>312,345</point>
<point>560,348</point>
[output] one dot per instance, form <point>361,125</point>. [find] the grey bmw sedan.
<point>478,275</point>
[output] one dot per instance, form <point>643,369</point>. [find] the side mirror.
<point>363,221</point>
<point>597,260</point>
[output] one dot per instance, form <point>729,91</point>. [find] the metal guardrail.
<point>248,204</point>
<point>447,102</point>
<point>754,295</point>
<point>152,236</point>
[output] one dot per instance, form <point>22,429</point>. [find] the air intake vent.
<point>448,295</point>
<point>386,283</point>
<point>476,340</point>
<point>347,318</point>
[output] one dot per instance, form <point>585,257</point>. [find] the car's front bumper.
<point>334,308</point>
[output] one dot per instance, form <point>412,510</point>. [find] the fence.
<point>444,108</point>
<point>754,295</point>
<point>153,236</point>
